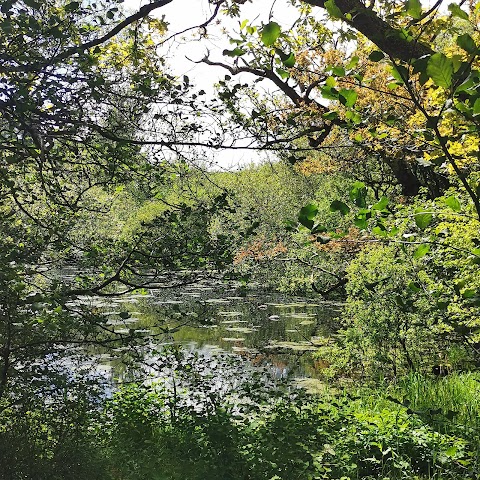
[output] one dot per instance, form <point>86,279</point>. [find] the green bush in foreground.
<point>303,438</point>
<point>192,427</point>
<point>255,431</point>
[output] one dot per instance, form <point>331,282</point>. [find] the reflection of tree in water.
<point>208,319</point>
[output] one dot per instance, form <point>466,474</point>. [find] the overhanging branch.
<point>388,38</point>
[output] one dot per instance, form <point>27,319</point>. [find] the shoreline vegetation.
<point>209,419</point>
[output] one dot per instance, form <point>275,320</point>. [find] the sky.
<point>183,14</point>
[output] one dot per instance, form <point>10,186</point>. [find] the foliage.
<point>450,404</point>
<point>273,253</point>
<point>293,436</point>
<point>188,425</point>
<point>96,199</point>
<point>52,432</point>
<point>414,302</point>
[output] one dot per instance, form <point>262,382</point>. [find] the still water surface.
<point>271,330</point>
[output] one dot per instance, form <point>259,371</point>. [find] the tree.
<point>403,93</point>
<point>76,82</point>
<point>417,65</point>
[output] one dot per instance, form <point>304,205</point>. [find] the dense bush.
<point>413,294</point>
<point>330,438</point>
<point>192,426</point>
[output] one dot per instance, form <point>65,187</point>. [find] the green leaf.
<point>307,223</point>
<point>457,61</point>
<point>358,194</point>
<point>332,9</point>
<point>72,6</point>
<point>421,250</point>
<point>124,315</point>
<point>283,74</point>
<point>413,8</point>
<point>453,203</point>
<point>381,204</point>
<point>456,11</point>
<point>469,293</point>
<point>287,59</point>
<point>476,107</point>
<point>361,223</point>
<point>330,115</point>
<point>338,206</point>
<point>420,64</point>
<point>353,116</point>
<point>32,3</point>
<point>270,33</point>
<point>414,287</point>
<point>467,43</point>
<point>423,219</point>
<point>466,85</point>
<point>329,93</point>
<point>399,73</point>
<point>236,52</point>
<point>330,82</point>
<point>347,97</point>
<point>352,63</point>
<point>459,285</point>
<point>309,211</point>
<point>376,56</point>
<point>440,70</point>
<point>380,231</point>
<point>307,214</point>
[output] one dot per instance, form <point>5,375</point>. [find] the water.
<point>271,330</point>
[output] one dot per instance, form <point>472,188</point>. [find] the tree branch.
<point>388,38</point>
<point>142,13</point>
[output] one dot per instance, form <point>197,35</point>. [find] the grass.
<point>452,402</point>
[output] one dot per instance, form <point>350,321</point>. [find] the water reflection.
<point>265,329</point>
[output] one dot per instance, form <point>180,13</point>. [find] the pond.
<point>269,330</point>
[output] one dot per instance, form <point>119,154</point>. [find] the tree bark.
<point>387,38</point>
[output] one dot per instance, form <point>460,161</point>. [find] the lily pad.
<point>299,316</point>
<point>311,385</point>
<point>293,346</point>
<point>240,329</point>
<point>241,349</point>
<point>230,314</point>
